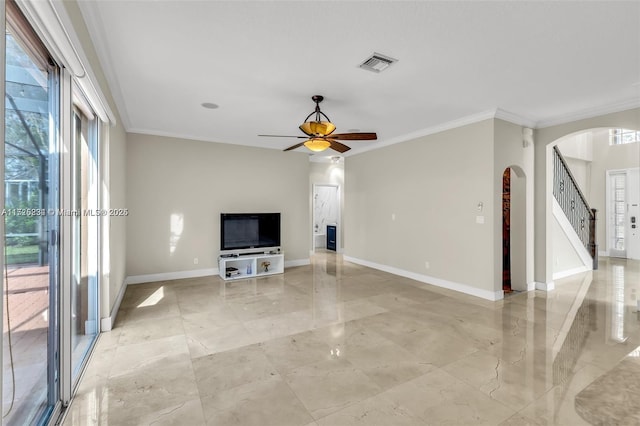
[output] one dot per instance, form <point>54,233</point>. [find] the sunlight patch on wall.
<point>176,227</point>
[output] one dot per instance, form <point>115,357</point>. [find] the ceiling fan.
<point>319,133</point>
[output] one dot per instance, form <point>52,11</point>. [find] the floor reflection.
<point>335,343</point>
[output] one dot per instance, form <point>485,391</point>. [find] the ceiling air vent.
<point>377,63</point>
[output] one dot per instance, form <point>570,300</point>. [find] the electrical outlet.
<point>427,265</point>
<point>195,260</point>
<point>393,216</point>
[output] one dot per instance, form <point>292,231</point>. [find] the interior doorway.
<point>326,212</point>
<point>506,231</point>
<point>514,235</point>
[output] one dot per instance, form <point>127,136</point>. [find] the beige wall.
<point>113,178</point>
<point>432,186</point>
<point>333,174</point>
<point>191,183</point>
<point>117,199</point>
<point>581,171</point>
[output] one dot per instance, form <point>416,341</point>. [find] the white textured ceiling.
<point>540,62</point>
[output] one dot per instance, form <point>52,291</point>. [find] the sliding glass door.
<point>84,289</point>
<point>31,280</point>
<point>51,240</point>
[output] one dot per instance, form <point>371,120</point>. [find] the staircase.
<point>574,205</point>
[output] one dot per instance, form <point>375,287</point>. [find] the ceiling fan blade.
<point>281,136</point>
<point>354,136</point>
<point>337,146</point>
<point>294,146</point>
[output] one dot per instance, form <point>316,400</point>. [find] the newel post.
<point>593,246</point>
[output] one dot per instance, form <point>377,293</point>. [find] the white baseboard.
<point>296,262</point>
<point>106,324</point>
<point>603,253</point>
<point>545,286</point>
<point>568,273</point>
<point>531,286</point>
<point>168,276</point>
<point>438,282</point>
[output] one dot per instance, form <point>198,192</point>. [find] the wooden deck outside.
<point>27,305</point>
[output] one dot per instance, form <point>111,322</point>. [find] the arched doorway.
<point>545,139</point>
<point>604,163</point>
<point>514,236</point>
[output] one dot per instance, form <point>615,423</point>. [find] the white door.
<point>623,213</point>
<point>633,214</point>
<point>616,212</point>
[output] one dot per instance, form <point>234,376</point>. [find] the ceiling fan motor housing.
<point>320,132</point>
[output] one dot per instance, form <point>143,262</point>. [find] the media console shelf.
<point>249,266</point>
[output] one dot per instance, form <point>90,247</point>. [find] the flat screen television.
<point>240,231</point>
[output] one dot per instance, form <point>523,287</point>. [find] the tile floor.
<point>335,343</point>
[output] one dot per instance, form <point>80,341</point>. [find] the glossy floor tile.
<point>335,343</point>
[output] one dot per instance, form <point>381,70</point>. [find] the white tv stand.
<point>251,265</point>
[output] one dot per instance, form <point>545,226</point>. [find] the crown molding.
<point>497,113</point>
<point>514,118</point>
<point>162,134</point>
<point>590,113</point>
<point>91,16</point>
<point>195,138</point>
<point>453,124</point>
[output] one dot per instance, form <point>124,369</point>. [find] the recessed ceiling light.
<point>209,105</point>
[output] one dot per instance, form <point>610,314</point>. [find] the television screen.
<point>249,230</point>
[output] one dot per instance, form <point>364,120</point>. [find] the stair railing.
<point>574,205</point>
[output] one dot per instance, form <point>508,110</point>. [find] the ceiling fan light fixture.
<point>317,144</point>
<point>317,131</point>
<point>318,128</point>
